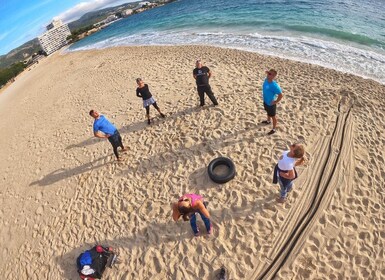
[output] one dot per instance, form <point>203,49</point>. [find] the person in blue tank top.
<point>104,129</point>
<point>272,95</point>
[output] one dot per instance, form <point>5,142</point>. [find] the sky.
<point>23,20</point>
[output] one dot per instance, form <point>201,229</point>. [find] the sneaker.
<point>222,274</point>
<point>271,132</point>
<point>281,199</point>
<point>265,122</point>
<point>148,121</point>
<point>196,234</point>
<point>162,115</point>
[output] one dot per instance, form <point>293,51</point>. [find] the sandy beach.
<point>62,190</point>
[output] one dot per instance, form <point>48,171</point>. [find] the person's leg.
<point>148,114</point>
<point>283,192</point>
<point>193,223</point>
<point>274,122</point>
<point>268,119</point>
<point>210,94</point>
<point>158,109</point>
<point>207,222</point>
<point>289,187</point>
<point>201,93</point>
<point>115,144</point>
<point>120,142</point>
<point>272,114</point>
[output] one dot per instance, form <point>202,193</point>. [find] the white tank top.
<point>285,162</point>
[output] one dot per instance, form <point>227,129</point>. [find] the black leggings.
<point>148,108</point>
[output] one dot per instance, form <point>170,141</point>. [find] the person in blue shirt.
<point>104,129</point>
<point>272,95</point>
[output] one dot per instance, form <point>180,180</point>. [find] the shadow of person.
<point>61,174</point>
<point>88,142</point>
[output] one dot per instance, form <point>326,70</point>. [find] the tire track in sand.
<point>332,160</point>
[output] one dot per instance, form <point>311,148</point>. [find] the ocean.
<point>346,35</point>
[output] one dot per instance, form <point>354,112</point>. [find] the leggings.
<point>148,108</point>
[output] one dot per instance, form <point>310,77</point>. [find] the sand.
<point>62,190</point>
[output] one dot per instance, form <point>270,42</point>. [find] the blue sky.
<point>23,20</point>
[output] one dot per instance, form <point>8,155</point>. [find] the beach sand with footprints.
<point>62,190</point>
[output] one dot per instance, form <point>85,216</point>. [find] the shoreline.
<point>63,192</point>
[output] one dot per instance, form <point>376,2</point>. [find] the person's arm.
<point>100,135</point>
<point>201,207</point>
<point>175,212</point>
<point>209,73</point>
<point>278,99</point>
<point>287,175</point>
<point>300,161</point>
<point>138,93</point>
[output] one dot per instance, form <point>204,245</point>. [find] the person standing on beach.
<point>202,75</point>
<point>104,129</point>
<point>143,91</point>
<point>284,171</point>
<point>272,95</point>
<point>188,206</point>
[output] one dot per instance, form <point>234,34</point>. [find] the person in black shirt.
<point>143,91</point>
<point>202,75</point>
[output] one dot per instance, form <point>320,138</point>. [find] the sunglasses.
<point>183,199</point>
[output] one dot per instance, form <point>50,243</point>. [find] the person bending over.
<point>104,129</point>
<point>188,206</point>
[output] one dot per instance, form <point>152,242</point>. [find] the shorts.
<point>148,102</point>
<point>271,110</point>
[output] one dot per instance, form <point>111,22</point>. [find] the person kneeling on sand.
<point>188,206</point>
<point>284,171</point>
<point>104,129</point>
<point>143,91</point>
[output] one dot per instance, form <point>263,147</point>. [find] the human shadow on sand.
<point>160,161</point>
<point>156,234</point>
<point>62,174</point>
<point>141,125</point>
<point>138,126</point>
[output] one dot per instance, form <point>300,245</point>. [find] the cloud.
<point>84,7</point>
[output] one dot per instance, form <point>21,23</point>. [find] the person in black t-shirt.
<point>143,91</point>
<point>202,75</point>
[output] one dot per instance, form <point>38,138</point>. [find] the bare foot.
<point>125,150</point>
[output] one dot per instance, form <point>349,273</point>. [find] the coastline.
<point>63,191</point>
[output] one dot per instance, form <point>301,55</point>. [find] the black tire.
<point>224,178</point>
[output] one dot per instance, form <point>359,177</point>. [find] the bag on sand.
<point>92,263</point>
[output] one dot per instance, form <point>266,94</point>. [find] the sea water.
<point>347,35</point>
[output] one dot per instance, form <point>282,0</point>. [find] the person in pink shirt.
<point>188,206</point>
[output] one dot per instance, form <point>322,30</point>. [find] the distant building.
<point>127,12</point>
<point>146,3</point>
<point>55,37</point>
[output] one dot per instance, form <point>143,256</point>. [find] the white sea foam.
<point>335,55</point>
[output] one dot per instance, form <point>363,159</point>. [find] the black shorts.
<point>270,109</point>
<point>115,139</point>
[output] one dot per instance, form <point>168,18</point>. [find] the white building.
<point>127,12</point>
<point>55,37</point>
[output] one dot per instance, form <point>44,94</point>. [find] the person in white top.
<point>284,171</point>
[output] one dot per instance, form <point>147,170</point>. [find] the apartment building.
<point>55,37</point>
